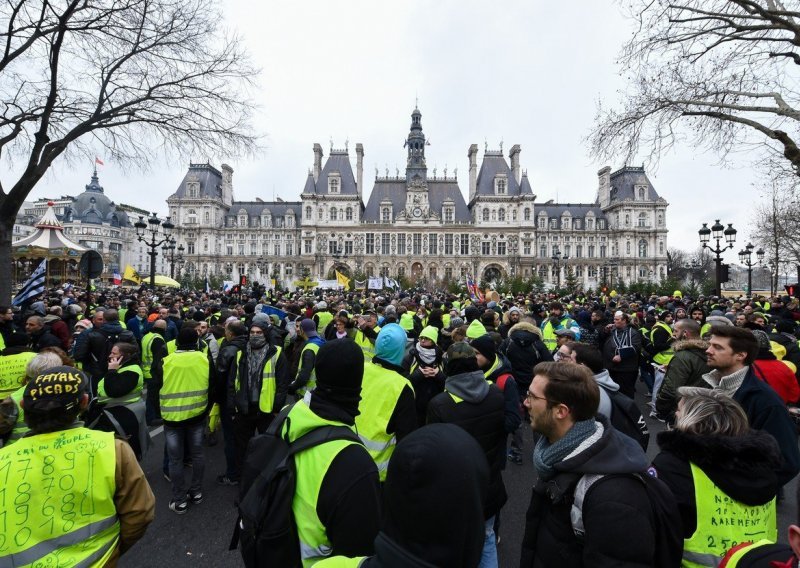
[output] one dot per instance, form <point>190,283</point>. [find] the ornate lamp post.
<point>557,258</point>
<point>717,232</point>
<point>169,253</point>
<point>746,258</point>
<point>148,233</point>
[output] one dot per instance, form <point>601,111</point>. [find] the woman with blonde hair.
<point>722,473</point>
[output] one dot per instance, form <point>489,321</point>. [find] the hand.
<point>617,359</point>
<point>114,363</point>
<point>428,372</point>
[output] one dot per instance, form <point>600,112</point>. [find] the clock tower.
<point>417,207</point>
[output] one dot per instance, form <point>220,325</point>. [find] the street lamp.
<point>169,253</point>
<point>746,258</point>
<point>557,263</point>
<point>717,232</point>
<point>154,240</point>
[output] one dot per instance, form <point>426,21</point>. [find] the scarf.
<point>255,366</point>
<point>426,356</point>
<point>547,455</point>
<point>341,334</point>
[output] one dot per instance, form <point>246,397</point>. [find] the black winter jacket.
<point>226,363</point>
<point>524,349</point>
<point>513,412</point>
<point>237,400</point>
<point>617,515</point>
<point>743,467</point>
<point>481,412</point>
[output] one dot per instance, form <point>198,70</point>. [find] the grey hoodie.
<point>472,386</point>
<point>606,383</point>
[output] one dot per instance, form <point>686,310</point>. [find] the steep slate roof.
<point>493,164</point>
<point>338,161</point>
<point>525,185</point>
<point>576,210</point>
<point>209,177</point>
<point>395,191</point>
<point>309,187</point>
<point>624,180</point>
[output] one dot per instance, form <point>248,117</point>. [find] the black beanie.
<point>485,345</point>
<point>187,338</point>
<point>339,366</point>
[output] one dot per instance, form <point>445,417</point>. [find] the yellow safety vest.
<point>20,429</point>
<point>12,371</point>
<point>311,467</point>
<point>323,319</point>
<point>266,399</point>
<point>341,562</point>
<point>367,347</point>
<point>184,393</point>
<point>549,334</point>
<point>312,379</point>
<point>172,346</point>
<point>663,357</point>
<point>60,505</point>
<point>723,523</point>
<point>133,396</point>
<point>380,392</point>
<point>147,353</point>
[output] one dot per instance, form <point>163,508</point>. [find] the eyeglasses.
<point>531,397</point>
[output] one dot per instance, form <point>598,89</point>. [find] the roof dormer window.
<point>641,193</point>
<point>500,185</point>
<point>334,183</point>
<point>192,189</point>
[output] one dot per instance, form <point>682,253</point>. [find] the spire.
<point>94,184</point>
<point>415,146</point>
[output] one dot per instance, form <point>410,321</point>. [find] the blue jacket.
<point>766,411</point>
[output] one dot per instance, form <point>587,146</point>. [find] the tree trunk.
<point>6,259</point>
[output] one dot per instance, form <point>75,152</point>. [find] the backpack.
<point>125,336</point>
<point>628,419</point>
<point>667,525</point>
<point>266,527</point>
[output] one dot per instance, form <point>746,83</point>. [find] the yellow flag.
<point>342,279</point>
<point>131,274</point>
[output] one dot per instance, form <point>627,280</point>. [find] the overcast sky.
<point>523,72</point>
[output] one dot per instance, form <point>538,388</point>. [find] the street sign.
<point>91,264</point>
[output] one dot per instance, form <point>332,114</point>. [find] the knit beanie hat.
<point>763,340</point>
<point>187,338</point>
<point>262,320</point>
<point>390,344</point>
<point>431,333</point>
<point>339,366</point>
<point>485,345</point>
<point>475,329</point>
<point>456,322</point>
<point>460,358</point>
<point>309,328</point>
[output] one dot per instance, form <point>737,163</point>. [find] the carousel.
<point>48,242</point>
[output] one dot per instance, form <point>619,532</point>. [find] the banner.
<point>33,286</point>
<point>131,274</point>
<point>342,279</point>
<point>117,278</point>
<point>375,283</point>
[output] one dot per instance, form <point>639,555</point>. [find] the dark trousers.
<point>626,381</point>
<point>229,438</point>
<point>244,428</point>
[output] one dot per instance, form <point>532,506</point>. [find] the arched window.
<point>628,248</point>
<point>660,219</point>
<point>333,185</point>
<point>641,193</point>
<point>642,249</point>
<point>501,214</point>
<point>513,214</point>
<point>207,217</point>
<point>527,214</point>
<point>661,247</point>
<point>627,220</point>
<point>385,215</point>
<point>334,213</point>
<point>349,214</point>
<point>642,219</point>
<point>485,214</point>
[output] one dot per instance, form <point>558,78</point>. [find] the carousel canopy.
<point>48,240</point>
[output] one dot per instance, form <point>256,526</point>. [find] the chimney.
<point>317,161</point>
<point>227,185</point>
<point>473,171</point>
<point>604,187</point>
<point>514,155</point>
<point>360,171</point>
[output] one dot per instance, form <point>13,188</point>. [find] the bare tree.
<point>718,74</point>
<point>133,79</point>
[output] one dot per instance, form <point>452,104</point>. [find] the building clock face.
<point>417,212</point>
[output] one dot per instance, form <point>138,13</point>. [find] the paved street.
<point>201,536</point>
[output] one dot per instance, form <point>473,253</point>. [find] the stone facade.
<point>417,224</point>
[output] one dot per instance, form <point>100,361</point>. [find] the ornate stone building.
<point>418,224</point>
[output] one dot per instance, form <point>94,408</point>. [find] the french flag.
<point>117,278</point>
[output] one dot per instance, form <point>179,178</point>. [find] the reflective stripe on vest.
<point>367,347</point>
<point>184,393</point>
<point>380,392</point>
<point>312,378</point>
<point>67,481</point>
<point>147,353</point>
<point>12,371</point>
<point>493,368</point>
<point>723,523</point>
<point>311,467</point>
<point>266,398</point>
<point>732,560</point>
<point>663,357</point>
<point>134,396</point>
<point>21,427</point>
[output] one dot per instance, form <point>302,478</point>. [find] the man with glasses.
<point>575,445</point>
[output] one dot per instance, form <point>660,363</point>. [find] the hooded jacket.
<point>778,375</point>
<point>617,514</point>
<point>433,518</point>
<point>686,369</point>
<point>524,349</point>
<point>226,364</point>
<point>743,467</point>
<point>425,388</point>
<point>471,402</point>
